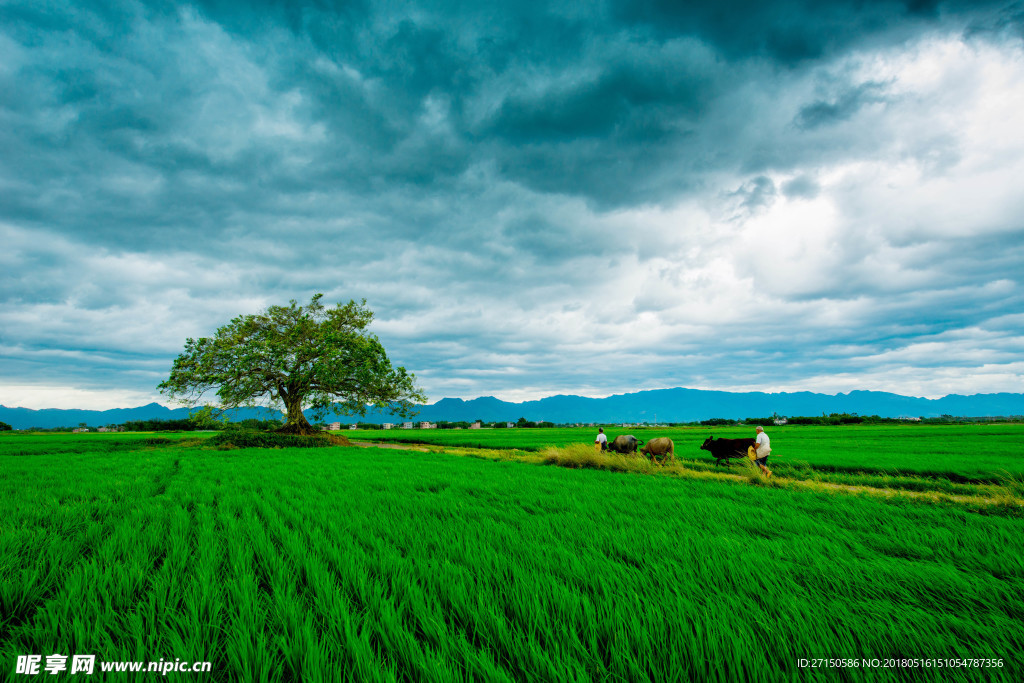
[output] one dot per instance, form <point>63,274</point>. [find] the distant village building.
<point>510,425</point>
<point>428,425</point>
<point>353,426</point>
<point>79,430</point>
<point>407,425</point>
<point>388,425</point>
<point>334,426</point>
<point>781,420</point>
<point>475,425</point>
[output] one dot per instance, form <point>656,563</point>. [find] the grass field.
<point>393,565</point>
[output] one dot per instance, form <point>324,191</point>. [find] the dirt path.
<point>1003,498</point>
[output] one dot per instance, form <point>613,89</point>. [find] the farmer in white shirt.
<point>601,442</point>
<point>763,448</point>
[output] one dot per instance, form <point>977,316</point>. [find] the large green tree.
<point>295,357</point>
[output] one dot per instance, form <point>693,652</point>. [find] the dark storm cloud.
<point>561,103</point>
<point>791,31</point>
<point>613,94</point>
<point>842,108</point>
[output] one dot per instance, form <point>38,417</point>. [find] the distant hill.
<point>689,405</point>
<point>663,405</point>
<point>48,418</point>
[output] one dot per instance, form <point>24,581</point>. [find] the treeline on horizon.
<point>853,418</point>
<point>205,424</point>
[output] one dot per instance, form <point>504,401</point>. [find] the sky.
<point>533,198</point>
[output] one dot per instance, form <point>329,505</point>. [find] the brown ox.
<point>659,450</point>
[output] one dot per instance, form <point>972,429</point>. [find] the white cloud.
<point>908,381</point>
<point>39,397</point>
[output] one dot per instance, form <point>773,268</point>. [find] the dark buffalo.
<point>723,449</point>
<point>623,444</point>
<point>660,448</point>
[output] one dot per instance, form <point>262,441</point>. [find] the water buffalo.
<point>624,444</point>
<point>661,447</point>
<point>723,449</point>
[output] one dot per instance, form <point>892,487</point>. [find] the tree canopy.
<point>295,357</point>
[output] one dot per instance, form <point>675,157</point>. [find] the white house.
<point>475,425</point>
<point>388,425</point>
<point>407,425</point>
<point>334,426</point>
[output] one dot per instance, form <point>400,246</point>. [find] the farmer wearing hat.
<point>762,448</point>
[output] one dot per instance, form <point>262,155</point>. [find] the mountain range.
<point>658,405</point>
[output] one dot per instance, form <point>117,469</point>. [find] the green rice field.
<point>897,556</point>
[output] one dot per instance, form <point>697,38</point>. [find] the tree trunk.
<point>297,422</point>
